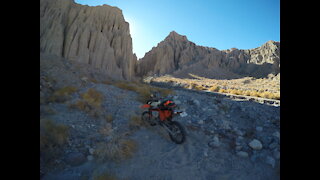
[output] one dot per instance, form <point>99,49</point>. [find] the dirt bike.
<point>162,113</point>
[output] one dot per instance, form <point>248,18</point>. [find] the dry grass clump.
<point>52,137</point>
<point>222,91</point>
<point>136,122</point>
<point>92,97</point>
<point>249,86</point>
<point>254,93</point>
<point>90,103</point>
<point>61,95</point>
<point>106,129</point>
<point>214,88</point>
<point>144,90</point>
<point>109,118</point>
<point>104,176</point>
<point>269,95</point>
<point>192,85</point>
<point>117,150</point>
<point>197,87</point>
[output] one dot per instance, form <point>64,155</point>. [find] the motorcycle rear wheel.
<point>179,134</point>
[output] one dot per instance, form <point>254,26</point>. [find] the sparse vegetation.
<point>61,95</point>
<point>93,97</point>
<point>109,118</point>
<point>144,90</point>
<point>117,149</point>
<point>214,88</point>
<point>106,175</point>
<point>90,103</point>
<point>136,121</point>
<point>53,136</point>
<point>106,129</point>
<point>247,86</point>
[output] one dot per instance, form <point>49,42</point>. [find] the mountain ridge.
<point>176,53</point>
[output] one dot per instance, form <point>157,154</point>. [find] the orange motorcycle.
<point>162,113</point>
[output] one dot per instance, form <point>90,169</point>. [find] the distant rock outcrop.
<point>178,56</point>
<point>98,36</point>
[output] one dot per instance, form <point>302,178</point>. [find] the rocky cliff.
<point>178,56</point>
<point>98,36</point>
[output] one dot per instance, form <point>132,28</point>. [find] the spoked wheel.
<point>177,133</point>
<point>146,117</point>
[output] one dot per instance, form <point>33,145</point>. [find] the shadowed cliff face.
<point>177,56</point>
<point>98,36</point>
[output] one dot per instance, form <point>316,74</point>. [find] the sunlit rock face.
<point>178,56</point>
<point>98,36</point>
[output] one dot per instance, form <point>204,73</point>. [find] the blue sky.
<point>221,24</point>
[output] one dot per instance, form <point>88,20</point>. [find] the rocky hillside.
<point>98,36</point>
<point>91,126</point>
<point>94,131</point>
<point>178,56</point>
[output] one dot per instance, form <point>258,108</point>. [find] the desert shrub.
<point>106,129</point>
<point>61,95</point>
<point>165,92</point>
<point>108,82</point>
<point>191,85</point>
<point>87,108</point>
<point>269,95</point>
<point>247,93</point>
<point>277,96</point>
<point>233,91</point>
<point>143,90</point>
<point>90,103</point>
<point>229,91</point>
<point>117,150</point>
<point>247,81</point>
<point>222,91</point>
<point>238,92</point>
<point>92,97</point>
<point>109,118</point>
<point>53,136</point>
<point>199,87</point>
<point>214,88</point>
<point>254,93</point>
<point>136,121</point>
<point>106,175</point>
<point>264,95</point>
<point>194,85</point>
<point>126,86</point>
<point>93,80</point>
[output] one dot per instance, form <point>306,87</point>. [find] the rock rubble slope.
<point>226,139</point>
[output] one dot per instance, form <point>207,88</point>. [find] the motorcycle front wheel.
<point>177,134</point>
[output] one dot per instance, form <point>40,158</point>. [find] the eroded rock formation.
<point>178,56</point>
<point>98,36</point>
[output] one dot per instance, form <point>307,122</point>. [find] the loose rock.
<point>242,154</point>
<point>75,158</point>
<point>271,161</point>
<point>255,144</point>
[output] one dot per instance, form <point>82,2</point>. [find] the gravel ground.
<point>219,134</point>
